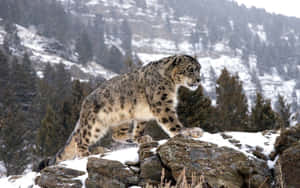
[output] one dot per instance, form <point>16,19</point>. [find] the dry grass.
<point>280,173</point>
<point>181,182</point>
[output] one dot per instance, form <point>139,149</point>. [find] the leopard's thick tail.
<point>69,151</point>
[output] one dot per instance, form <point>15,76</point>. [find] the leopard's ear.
<point>172,63</point>
<point>176,61</point>
<point>170,67</point>
<point>175,74</point>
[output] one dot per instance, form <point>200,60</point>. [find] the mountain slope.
<point>43,50</point>
<point>261,48</point>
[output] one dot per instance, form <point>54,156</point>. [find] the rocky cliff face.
<point>219,167</point>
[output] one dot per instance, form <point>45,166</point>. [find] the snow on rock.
<point>241,141</point>
<point>247,142</point>
<point>23,181</point>
<point>124,155</point>
<point>27,180</point>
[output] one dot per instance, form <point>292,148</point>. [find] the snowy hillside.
<point>163,28</point>
<point>44,50</point>
<point>247,143</point>
<point>156,29</point>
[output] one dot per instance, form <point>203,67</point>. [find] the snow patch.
<point>124,155</point>
<point>2,35</point>
<point>147,58</point>
<point>259,31</point>
<point>2,169</point>
<point>248,142</point>
<point>24,181</point>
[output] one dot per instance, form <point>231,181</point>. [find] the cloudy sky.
<point>285,7</point>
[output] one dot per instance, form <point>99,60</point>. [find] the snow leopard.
<point>146,93</point>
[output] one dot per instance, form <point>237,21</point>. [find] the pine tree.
<point>262,116</point>
<point>195,109</point>
<point>84,48</point>
<point>114,60</point>
<point>4,75</point>
<point>98,31</point>
<point>284,111</point>
<point>23,82</point>
<point>48,136</point>
<point>126,35</point>
<point>129,65</point>
<point>79,92</point>
<point>232,104</point>
<point>13,143</point>
<point>63,83</point>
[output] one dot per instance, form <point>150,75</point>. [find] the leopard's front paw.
<point>144,139</point>
<point>195,132</point>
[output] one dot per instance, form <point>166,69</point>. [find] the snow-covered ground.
<point>23,181</point>
<point>2,169</point>
<point>247,143</point>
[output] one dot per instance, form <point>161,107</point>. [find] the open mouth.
<point>193,86</point>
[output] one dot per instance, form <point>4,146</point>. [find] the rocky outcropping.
<point>59,177</point>
<point>287,138</point>
<point>107,173</point>
<point>219,167</point>
<point>287,168</point>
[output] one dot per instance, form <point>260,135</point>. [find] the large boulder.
<point>287,168</point>
<point>150,164</point>
<point>108,173</point>
<point>220,166</point>
<point>56,177</point>
<point>155,131</point>
<point>287,138</point>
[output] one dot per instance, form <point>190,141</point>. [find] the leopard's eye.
<point>191,69</point>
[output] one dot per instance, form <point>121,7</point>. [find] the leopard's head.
<point>185,71</point>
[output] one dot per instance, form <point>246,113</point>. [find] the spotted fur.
<point>142,95</point>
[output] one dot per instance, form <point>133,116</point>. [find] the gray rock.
<point>56,177</point>
<point>220,166</point>
<point>287,138</point>
<point>108,173</point>
<point>287,168</point>
<point>150,164</point>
